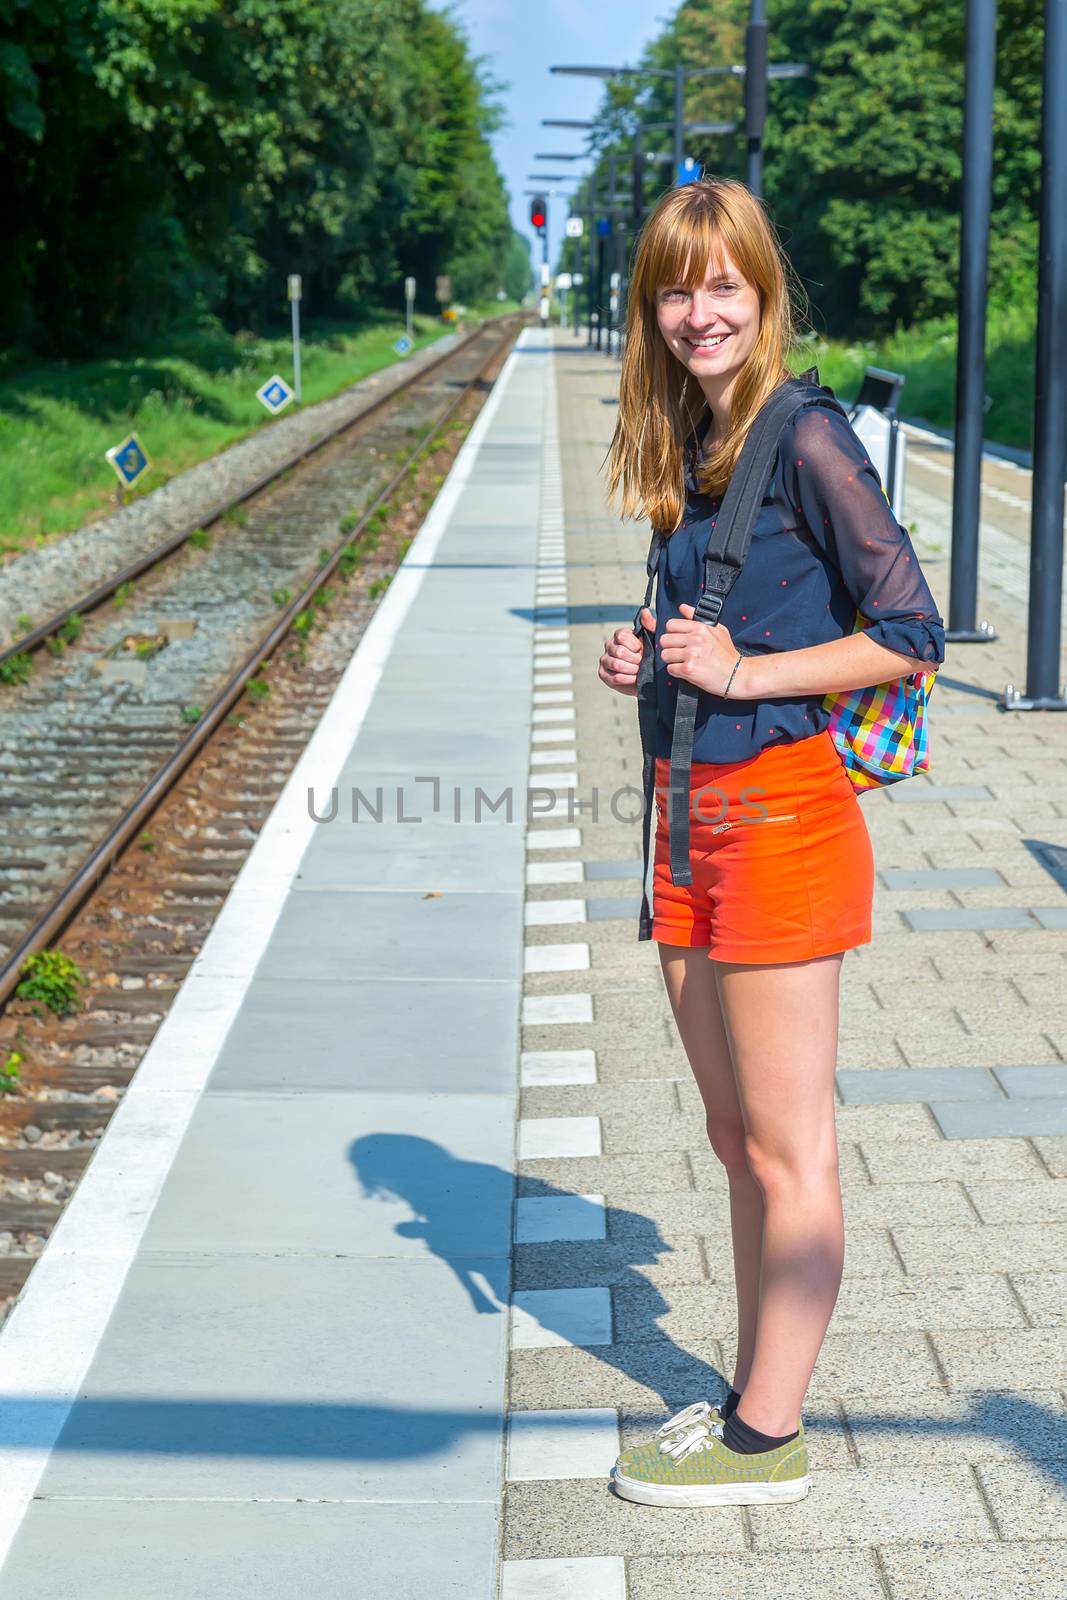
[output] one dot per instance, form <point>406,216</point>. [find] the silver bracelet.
<point>730,679</point>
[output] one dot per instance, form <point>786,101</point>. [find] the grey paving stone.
<point>599,1099</point>
<point>639,1375</point>
<point>886,1205</point>
<point>613,909</point>
<point>362,1034</point>
<point>867,1362</point>
<point>678,1211</point>
<point>884,1086</point>
<point>624,1131</point>
<point>618,1062</point>
<point>1029,1501</point>
<point>911,1124</point>
<point>940,877</point>
<point>890,1161</point>
<point>251,1550</point>
<point>1035,1248</point>
<point>923,793</point>
<point>751,1575</point>
<point>445,1156</point>
<point>969,918</point>
<point>1053,1154</point>
<point>395,934</point>
<point>1025,1358</point>
<point>854,1509</point>
<point>940,1299</point>
<point>656,1259</point>
<point>1044,1294</point>
<point>1040,1201</point>
<point>980,1571</point>
<point>1034,1082</point>
<point>303,1417</point>
<point>578,1517</point>
<point>1014,1118</point>
<point>989,1046</point>
<point>613,869</point>
<point>961,1425</point>
<point>1051,917</point>
<point>606,1175</point>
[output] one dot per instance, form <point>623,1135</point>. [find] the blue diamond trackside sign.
<point>129,460</point>
<point>275,394</point>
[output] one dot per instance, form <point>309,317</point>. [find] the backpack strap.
<point>647,718</point>
<point>723,559</point>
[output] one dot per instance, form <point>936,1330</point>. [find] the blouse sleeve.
<point>832,484</point>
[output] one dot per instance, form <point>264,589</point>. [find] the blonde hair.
<point>659,400</point>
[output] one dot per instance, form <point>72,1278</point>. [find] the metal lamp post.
<point>756,73</point>
<point>1044,692</point>
<point>970,345</point>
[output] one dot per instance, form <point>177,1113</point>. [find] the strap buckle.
<point>708,606</point>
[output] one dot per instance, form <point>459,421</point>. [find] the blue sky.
<point>522,39</point>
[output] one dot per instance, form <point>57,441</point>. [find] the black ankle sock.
<point>729,1405</point>
<point>737,1435</point>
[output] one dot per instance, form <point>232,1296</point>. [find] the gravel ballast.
<point>41,582</point>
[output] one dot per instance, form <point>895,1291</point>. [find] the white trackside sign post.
<point>294,301</point>
<point>409,308</point>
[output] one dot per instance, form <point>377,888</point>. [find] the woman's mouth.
<point>711,342</point>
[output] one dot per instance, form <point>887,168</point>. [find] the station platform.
<point>408,1218</point>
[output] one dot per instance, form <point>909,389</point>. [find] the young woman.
<point>781,860</point>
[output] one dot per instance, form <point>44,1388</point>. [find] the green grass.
<point>186,403</point>
<point>927,357</point>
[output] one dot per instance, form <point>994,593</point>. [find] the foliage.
<point>863,155</point>
<point>188,398</point>
<point>52,978</point>
<point>171,157</point>
<point>17,668</point>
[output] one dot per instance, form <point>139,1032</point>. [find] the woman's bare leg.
<point>781,1022</point>
<point>691,987</point>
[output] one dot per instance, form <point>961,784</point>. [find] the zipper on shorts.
<point>720,827</point>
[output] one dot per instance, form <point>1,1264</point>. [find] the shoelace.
<point>689,1431</point>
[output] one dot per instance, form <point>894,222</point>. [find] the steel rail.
<point>84,880</point>
<point>103,591</point>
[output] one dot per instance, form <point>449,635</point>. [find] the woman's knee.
<point>727,1138</point>
<point>786,1170</point>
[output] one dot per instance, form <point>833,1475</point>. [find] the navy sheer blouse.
<point>826,544</point>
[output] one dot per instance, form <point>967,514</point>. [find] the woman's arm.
<point>836,493</point>
<point>835,667</point>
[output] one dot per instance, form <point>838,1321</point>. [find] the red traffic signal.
<point>538,212</point>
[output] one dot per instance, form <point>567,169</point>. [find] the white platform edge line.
<point>51,1335</point>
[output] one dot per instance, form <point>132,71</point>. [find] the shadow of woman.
<point>464,1213</point>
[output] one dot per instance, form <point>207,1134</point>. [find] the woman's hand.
<point>702,654</point>
<point>622,656</point>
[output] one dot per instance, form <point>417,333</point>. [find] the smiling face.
<point>713,328</point>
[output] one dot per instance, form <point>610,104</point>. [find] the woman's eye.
<point>674,294</point>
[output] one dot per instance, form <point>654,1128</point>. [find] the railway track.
<point>128,822</point>
<point>103,722</point>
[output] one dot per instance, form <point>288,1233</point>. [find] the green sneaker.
<point>690,1466</point>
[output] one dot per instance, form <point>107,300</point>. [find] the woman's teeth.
<point>708,344</point>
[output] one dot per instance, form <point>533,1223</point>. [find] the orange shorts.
<point>791,875</point>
